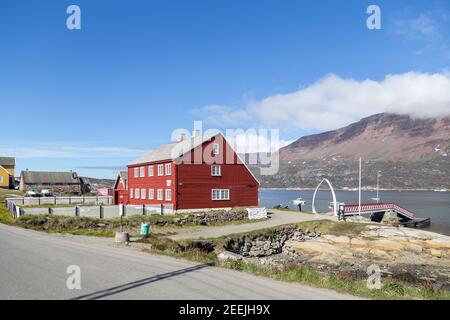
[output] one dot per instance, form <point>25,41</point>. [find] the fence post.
<point>143,209</point>
<point>101,210</point>
<point>162,209</point>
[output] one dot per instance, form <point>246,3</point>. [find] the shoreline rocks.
<point>408,255</point>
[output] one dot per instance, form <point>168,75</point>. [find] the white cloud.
<point>427,30</point>
<point>333,102</point>
<point>222,115</point>
<point>423,26</point>
<point>256,142</point>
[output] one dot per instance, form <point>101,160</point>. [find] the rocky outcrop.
<point>409,255</point>
<point>264,245</point>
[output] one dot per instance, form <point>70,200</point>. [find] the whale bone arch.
<point>332,192</point>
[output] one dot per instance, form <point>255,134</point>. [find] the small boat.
<point>417,223</point>
<point>298,202</point>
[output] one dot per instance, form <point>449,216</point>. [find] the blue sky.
<point>93,99</point>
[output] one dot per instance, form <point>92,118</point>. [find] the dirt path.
<point>277,217</point>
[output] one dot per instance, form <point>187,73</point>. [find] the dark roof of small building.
<point>41,177</point>
<point>7,161</point>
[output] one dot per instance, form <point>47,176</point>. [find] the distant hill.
<point>99,183</point>
<point>410,153</point>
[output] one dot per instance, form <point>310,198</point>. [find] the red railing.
<point>352,208</point>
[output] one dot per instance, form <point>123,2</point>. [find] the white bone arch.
<point>332,192</point>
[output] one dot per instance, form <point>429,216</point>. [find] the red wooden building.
<point>121,188</point>
<point>201,172</point>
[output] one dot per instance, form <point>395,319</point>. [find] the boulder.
<point>227,255</point>
<point>390,218</point>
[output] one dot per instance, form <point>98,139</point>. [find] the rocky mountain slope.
<point>410,153</point>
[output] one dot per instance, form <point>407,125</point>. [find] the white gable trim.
<point>240,159</point>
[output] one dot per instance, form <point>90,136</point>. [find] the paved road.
<point>33,266</point>
<point>277,218</point>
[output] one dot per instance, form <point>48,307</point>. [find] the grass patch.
<point>94,233</point>
<point>183,249</point>
<point>343,228</point>
<point>5,215</point>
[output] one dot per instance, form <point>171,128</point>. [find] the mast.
<point>378,186</point>
<point>359,189</point>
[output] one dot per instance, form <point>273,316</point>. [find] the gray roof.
<point>171,151</point>
<point>7,161</point>
<point>124,175</point>
<point>40,177</point>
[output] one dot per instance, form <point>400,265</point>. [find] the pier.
<point>377,210</point>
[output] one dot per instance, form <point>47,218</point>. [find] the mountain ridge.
<point>411,153</point>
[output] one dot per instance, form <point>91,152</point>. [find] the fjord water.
<point>432,204</point>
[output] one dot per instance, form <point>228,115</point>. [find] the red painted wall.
<point>156,182</point>
<point>195,181</point>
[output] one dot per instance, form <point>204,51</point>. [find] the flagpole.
<point>359,189</point>
<point>378,186</point>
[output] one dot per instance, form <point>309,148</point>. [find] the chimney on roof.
<point>181,137</point>
<point>195,133</point>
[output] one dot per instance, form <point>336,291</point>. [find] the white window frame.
<point>220,194</point>
<point>144,193</point>
<point>137,193</point>
<point>168,166</point>
<point>216,148</point>
<point>131,193</point>
<point>136,172</point>
<point>168,194</point>
<point>225,194</point>
<point>160,194</point>
<point>151,194</point>
<point>142,172</point>
<point>151,171</point>
<point>1,179</point>
<point>218,173</point>
<point>160,170</point>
